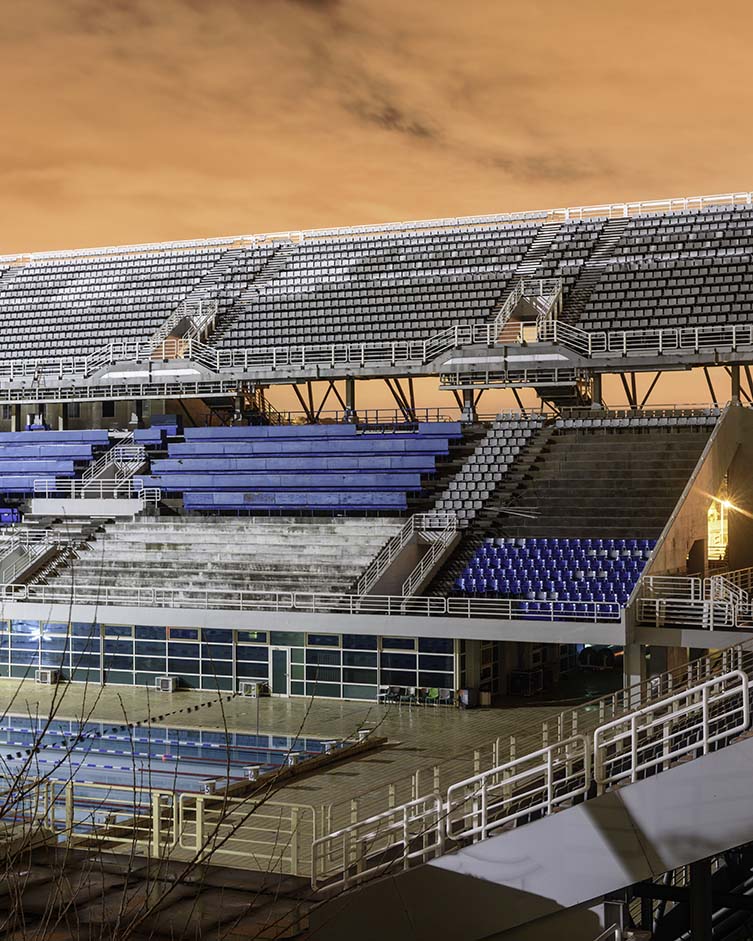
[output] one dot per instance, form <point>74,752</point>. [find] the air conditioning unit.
<point>251,688</point>
<point>166,684</point>
<point>47,677</point>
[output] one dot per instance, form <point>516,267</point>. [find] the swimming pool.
<point>146,756</point>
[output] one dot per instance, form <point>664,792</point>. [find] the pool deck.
<point>419,738</point>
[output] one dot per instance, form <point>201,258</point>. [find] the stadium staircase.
<point>593,269</point>
<point>527,847</point>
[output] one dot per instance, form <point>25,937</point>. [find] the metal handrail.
<point>594,612</point>
<point>417,523</point>
<point>97,489</point>
<point>429,560</point>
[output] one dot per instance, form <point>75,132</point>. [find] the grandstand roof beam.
<point>710,384</point>
<point>651,388</point>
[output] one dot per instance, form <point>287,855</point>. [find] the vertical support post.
<point>468,413</point>
<point>156,824</point>
<point>200,833</point>
<point>735,377</point>
<point>138,407</point>
<point>596,392</point>
<point>701,903</point>
<point>634,667</point>
<point>63,417</point>
<point>350,400</point>
<point>69,811</point>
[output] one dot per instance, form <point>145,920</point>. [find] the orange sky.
<point>132,121</point>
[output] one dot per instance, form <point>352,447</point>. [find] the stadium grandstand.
<point>375,667</point>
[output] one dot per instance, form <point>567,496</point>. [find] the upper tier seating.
<point>569,572</point>
<point>681,268</point>
<point>26,456</point>
<point>300,467</point>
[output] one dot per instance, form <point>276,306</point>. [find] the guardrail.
<point>536,783</point>
<point>65,488</point>
<point>646,741</point>
<point>714,603</point>
<point>315,603</point>
<point>438,547</point>
<point>659,735</point>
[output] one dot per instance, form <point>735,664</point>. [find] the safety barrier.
<point>648,740</point>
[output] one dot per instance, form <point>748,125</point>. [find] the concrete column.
<point>469,409</point>
<point>472,678</point>
<point>238,409</point>
<point>138,408</point>
<point>701,901</point>
<point>350,400</point>
<point>596,401</point>
<point>634,666</point>
<point>63,417</point>
<point>735,385</point>
<point>15,419</point>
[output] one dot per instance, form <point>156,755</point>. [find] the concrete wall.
<point>732,436</point>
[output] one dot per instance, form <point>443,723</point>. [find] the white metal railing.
<point>612,933</point>
<point>318,603</point>
<point>419,522</point>
<point>66,488</point>
<point>269,836</point>
<point>439,543</point>
<point>715,603</point>
<point>560,214</point>
<point>658,735</point>
<point>200,316</point>
<point>396,353</point>
<point>536,783</point>
<point>394,839</point>
<point>126,458</point>
<point>647,740</point>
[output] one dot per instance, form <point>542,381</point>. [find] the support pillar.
<point>63,417</point>
<point>15,418</point>
<point>735,377</point>
<point>350,400</point>
<point>238,408</point>
<point>472,676</point>
<point>468,413</point>
<point>596,401</point>
<point>138,407</point>
<point>701,901</point>
<point>634,667</point>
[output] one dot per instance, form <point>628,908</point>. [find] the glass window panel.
<point>25,641</point>
<point>297,689</point>
<point>54,658</point>
<point>146,649</point>
<point>398,661</point>
<point>253,653</point>
<point>442,680</point>
<point>150,633</point>
<point>359,692</point>
<point>118,662</point>
<point>323,689</point>
<point>118,646</point>
<point>323,640</point>
<point>359,659</point>
<point>435,645</point>
<point>398,643</point>
<point>25,627</point>
<point>219,667</point>
<point>429,662</point>
<point>183,650</point>
<point>118,630</point>
<point>297,671</point>
<point>216,682</point>
<point>85,660</point>
<point>217,636</point>
<point>323,674</point>
<point>24,656</point>
<point>183,633</point>
<point>359,676</point>
<point>287,639</point>
<point>325,657</point>
<point>398,678</point>
<point>177,665</point>
<point>360,641</point>
<point>297,654</point>
<point>253,670</point>
<point>252,637</point>
<point>211,652</point>
<point>85,644</point>
<point>154,664</point>
<point>82,629</point>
